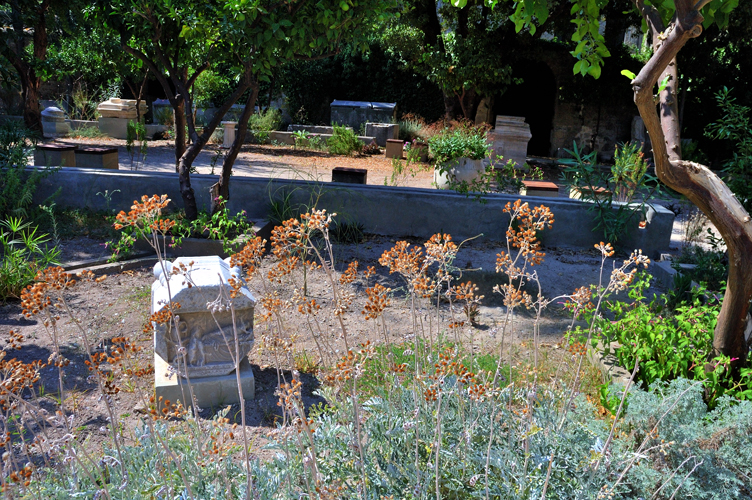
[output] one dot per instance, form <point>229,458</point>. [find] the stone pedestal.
<point>229,134</point>
<point>94,157</point>
<point>54,155</point>
<point>509,139</point>
<point>394,148</point>
<point>54,123</point>
<point>201,348</point>
<point>115,114</point>
<point>382,131</point>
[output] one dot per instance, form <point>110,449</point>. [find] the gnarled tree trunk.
<point>698,183</point>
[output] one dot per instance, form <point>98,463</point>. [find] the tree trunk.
<point>180,124</point>
<point>31,113</point>
<point>698,183</point>
<point>223,185</point>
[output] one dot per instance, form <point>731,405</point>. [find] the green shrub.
<point>627,182</point>
<point>24,253</point>
<point>344,141</point>
<point>670,344</point>
<point>264,122</point>
<point>411,128</point>
<point>211,89</point>
<point>16,186</point>
<point>231,230</point>
<point>460,142</point>
<point>87,133</point>
<point>711,266</point>
<point>735,126</point>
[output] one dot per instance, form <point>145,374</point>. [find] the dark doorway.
<point>535,99</point>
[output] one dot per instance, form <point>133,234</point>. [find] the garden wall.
<point>392,211</point>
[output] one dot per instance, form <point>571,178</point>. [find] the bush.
<point>411,127</point>
<point>211,89</point>
<point>16,187</point>
<point>460,142</point>
<point>264,122</point>
<point>735,126</point>
<point>344,142</point>
<point>670,344</point>
<point>627,182</point>
<point>24,253</point>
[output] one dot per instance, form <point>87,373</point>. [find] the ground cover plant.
<point>423,419</point>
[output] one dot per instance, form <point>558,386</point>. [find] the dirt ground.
<point>119,306</point>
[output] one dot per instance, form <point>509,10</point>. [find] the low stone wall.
<point>393,211</point>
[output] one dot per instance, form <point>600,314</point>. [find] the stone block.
<point>589,193</point>
<point>201,348</point>
<point>382,131</point>
<point>209,392</point>
<point>461,169</point>
<point>54,123</point>
<point>117,128</point>
<point>350,175</point>
<point>55,155</point>
<point>539,188</point>
<point>96,157</point>
<point>394,148</point>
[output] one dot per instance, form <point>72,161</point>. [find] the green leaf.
<point>628,74</point>
<point>595,71</point>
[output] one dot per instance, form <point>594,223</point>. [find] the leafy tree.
<point>455,48</point>
<point>671,24</point>
<point>178,42</point>
<point>24,42</point>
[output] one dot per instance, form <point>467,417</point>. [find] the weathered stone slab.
<point>97,157</point>
<point>121,108</point>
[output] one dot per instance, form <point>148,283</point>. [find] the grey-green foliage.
<point>708,451</point>
<point>719,441</point>
<point>153,474</point>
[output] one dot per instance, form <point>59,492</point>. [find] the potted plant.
<point>457,155</point>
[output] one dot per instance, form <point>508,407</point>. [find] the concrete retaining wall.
<point>393,211</point>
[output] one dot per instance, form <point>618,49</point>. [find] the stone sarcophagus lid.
<point>509,139</point>
<point>202,344</point>
<point>120,108</point>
